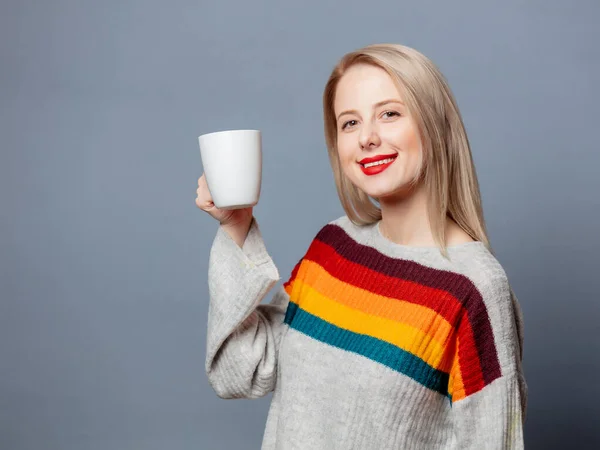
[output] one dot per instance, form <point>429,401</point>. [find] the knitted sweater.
<point>369,344</point>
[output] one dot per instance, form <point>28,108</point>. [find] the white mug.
<point>232,163</point>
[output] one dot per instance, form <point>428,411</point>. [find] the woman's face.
<point>373,123</point>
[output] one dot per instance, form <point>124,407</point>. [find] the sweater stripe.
<point>368,346</point>
<point>407,338</point>
<point>447,306</point>
<point>471,350</point>
<point>431,314</point>
<point>439,301</point>
<point>396,308</point>
<point>335,237</point>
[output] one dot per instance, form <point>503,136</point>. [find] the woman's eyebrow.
<point>376,105</point>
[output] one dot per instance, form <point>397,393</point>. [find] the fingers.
<point>203,198</point>
<point>203,205</point>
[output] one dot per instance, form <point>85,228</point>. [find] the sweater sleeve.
<point>487,385</point>
<point>243,335</point>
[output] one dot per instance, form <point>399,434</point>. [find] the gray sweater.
<point>369,344</point>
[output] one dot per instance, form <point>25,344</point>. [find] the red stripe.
<point>362,277</point>
<point>456,284</point>
<point>468,359</point>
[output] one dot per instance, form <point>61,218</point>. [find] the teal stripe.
<point>290,312</point>
<point>375,349</point>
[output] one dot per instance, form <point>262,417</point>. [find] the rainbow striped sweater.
<point>369,344</point>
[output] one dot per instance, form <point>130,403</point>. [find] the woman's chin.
<point>388,194</point>
<point>381,191</point>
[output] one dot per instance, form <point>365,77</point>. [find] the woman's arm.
<point>489,407</point>
<point>243,335</point>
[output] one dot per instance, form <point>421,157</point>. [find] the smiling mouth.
<point>378,163</point>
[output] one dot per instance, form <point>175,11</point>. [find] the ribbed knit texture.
<point>369,344</point>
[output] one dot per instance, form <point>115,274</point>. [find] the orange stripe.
<point>456,387</point>
<point>417,316</point>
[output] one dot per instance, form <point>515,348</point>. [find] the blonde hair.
<point>447,168</point>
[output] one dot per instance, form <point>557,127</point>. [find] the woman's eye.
<point>348,124</point>
<point>389,114</point>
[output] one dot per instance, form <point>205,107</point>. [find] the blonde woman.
<point>398,328</point>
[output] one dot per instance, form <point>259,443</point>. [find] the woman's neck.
<point>405,219</point>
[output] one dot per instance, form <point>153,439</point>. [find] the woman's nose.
<point>369,137</point>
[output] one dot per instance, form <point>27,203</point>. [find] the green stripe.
<point>375,349</point>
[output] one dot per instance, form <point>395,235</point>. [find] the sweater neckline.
<point>384,241</point>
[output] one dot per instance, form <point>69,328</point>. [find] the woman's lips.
<point>374,170</point>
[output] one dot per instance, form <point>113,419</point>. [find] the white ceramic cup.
<point>232,162</point>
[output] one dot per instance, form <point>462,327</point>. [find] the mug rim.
<point>213,133</point>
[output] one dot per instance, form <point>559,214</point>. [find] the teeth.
<point>378,163</point>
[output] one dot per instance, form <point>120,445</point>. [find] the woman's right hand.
<point>234,219</point>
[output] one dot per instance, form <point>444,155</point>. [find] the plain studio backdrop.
<point>103,253</point>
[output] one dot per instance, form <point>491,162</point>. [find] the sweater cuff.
<point>253,253</point>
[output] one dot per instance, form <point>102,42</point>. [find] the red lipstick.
<point>376,158</point>
<point>374,170</point>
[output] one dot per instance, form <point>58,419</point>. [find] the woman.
<point>398,328</point>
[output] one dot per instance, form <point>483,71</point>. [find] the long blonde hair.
<point>447,168</point>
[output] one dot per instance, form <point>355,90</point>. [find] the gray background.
<point>103,253</point>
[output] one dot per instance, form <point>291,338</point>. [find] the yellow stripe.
<point>404,336</point>
<point>417,316</point>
